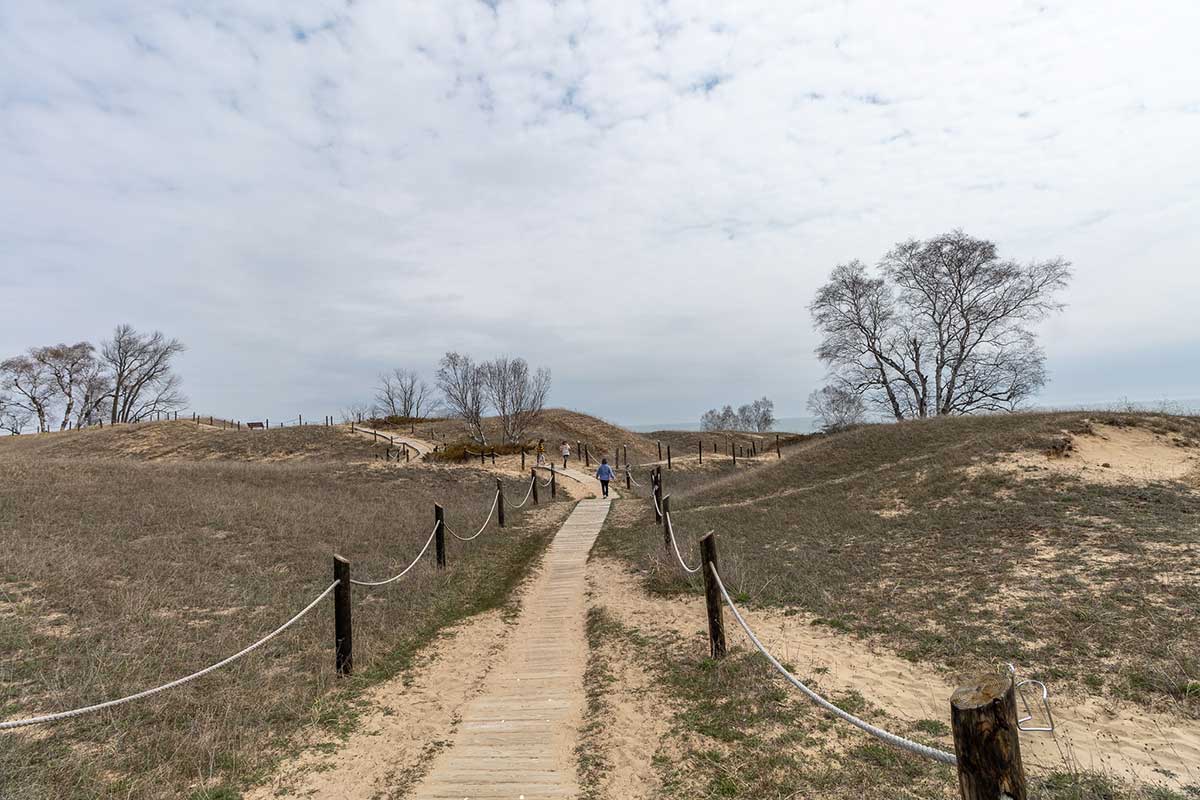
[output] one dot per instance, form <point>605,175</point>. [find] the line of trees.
<point>467,390</point>
<point>129,379</point>
<point>757,416</point>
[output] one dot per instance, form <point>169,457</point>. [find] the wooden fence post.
<point>628,485</point>
<point>534,478</point>
<point>666,509</point>
<point>733,451</point>
<point>500,502</point>
<point>712,595</point>
<point>587,455</point>
<point>626,449</point>
<point>660,451</point>
<point>407,455</point>
<point>343,640</point>
<point>700,451</point>
<point>553,482</point>
<point>578,451</point>
<point>482,456</point>
<point>778,450</point>
<point>268,423</point>
<point>493,456</point>
<point>439,534</point>
<point>522,458</point>
<point>300,417</point>
<point>984,718</point>
<point>668,455</point>
<point>658,517</point>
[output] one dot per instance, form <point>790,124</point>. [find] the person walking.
<point>566,453</point>
<point>604,475</point>
<point>541,452</point>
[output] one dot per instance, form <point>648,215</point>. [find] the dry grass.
<point>117,574</point>
<point>1081,584</point>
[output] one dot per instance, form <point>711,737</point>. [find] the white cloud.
<point>642,195</point>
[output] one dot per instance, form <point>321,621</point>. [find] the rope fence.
<point>340,588</point>
<point>984,714</point>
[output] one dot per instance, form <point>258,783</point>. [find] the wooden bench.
<point>254,425</point>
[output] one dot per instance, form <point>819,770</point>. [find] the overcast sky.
<point>641,196</point>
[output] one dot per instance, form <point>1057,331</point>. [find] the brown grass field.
<point>956,543</point>
<point>139,554</point>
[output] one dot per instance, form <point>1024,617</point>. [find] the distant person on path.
<point>566,453</point>
<point>604,474</point>
<point>541,452</point>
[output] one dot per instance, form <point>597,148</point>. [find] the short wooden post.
<point>533,477</point>
<point>984,718</point>
<point>374,436</point>
<point>700,451</point>
<point>482,456</point>
<point>712,595</point>
<point>578,450</point>
<point>668,456</point>
<point>660,451</point>
<point>733,450</point>
<point>493,456</point>
<point>268,424</point>
<point>343,640</point>
<point>500,502</point>
<point>628,485</point>
<point>778,450</point>
<point>553,483</point>
<point>587,455</point>
<point>407,454</point>
<point>300,417</point>
<point>522,459</point>
<point>658,517</point>
<point>439,534</point>
<point>210,421</point>
<point>626,449</point>
<point>666,509</point>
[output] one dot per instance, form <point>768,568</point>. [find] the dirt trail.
<point>1093,733</point>
<point>420,445</point>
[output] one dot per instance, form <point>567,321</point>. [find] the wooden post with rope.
<point>587,455</point>
<point>553,483</point>
<point>439,535</point>
<point>666,509</point>
<point>700,451</point>
<point>778,450</point>
<point>343,641</point>
<point>628,485</point>
<point>712,595</point>
<point>658,517</point>
<point>660,451</point>
<point>534,478</point>
<point>668,455</point>
<point>500,502</point>
<point>983,715</point>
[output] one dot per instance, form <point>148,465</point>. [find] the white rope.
<point>404,571</point>
<point>528,494</point>
<point>18,723</point>
<point>657,507</point>
<point>678,555</point>
<point>879,733</point>
<point>631,478</point>
<point>495,500</point>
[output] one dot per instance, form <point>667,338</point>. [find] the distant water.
<point>785,424</point>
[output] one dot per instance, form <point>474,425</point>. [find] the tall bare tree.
<point>142,380</point>
<point>32,386</point>
<point>942,330</point>
<point>404,393</point>
<point>69,366</point>
<point>461,382</point>
<point>517,394</point>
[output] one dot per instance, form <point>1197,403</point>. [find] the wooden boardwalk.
<point>517,739</point>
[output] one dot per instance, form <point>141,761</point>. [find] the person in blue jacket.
<point>605,474</point>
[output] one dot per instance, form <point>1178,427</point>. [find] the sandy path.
<point>1094,733</point>
<point>518,737</point>
<point>587,481</point>
<point>420,445</point>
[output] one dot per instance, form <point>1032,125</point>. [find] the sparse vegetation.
<point>118,574</point>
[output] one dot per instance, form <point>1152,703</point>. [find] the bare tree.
<point>836,408</point>
<point>33,387</point>
<point>13,416</point>
<point>404,393</point>
<point>94,387</point>
<point>356,412</point>
<point>461,382</point>
<point>142,380</point>
<point>942,330</point>
<point>69,366</point>
<point>517,394</point>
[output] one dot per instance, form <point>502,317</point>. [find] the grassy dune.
<point>118,573</point>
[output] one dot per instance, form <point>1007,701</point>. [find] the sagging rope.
<point>675,544</point>
<point>657,507</point>
<point>495,500</point>
<point>631,478</point>
<point>896,741</point>
<point>528,494</point>
<point>404,571</point>
<point>19,723</point>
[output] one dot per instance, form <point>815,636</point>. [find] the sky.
<point>640,196</point>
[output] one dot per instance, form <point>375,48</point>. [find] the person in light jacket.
<point>566,453</point>
<point>604,474</point>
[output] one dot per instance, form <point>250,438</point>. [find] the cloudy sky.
<point>641,196</point>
